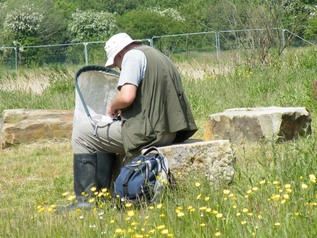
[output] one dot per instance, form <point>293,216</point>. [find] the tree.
<point>147,23</point>
<point>23,23</point>
<point>91,25</point>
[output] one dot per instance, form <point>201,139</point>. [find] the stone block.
<point>254,124</point>
<point>21,126</point>
<point>215,159</point>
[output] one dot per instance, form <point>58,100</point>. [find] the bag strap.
<point>150,149</point>
<point>162,165</point>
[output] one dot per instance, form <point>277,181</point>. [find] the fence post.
<point>283,38</point>
<point>16,57</point>
<point>152,42</point>
<point>217,45</point>
<point>85,53</point>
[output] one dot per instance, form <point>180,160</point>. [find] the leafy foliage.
<point>90,25</point>
<point>60,21</point>
<point>147,23</point>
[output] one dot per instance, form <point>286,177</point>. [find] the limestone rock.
<point>29,126</point>
<point>254,124</point>
<point>213,158</point>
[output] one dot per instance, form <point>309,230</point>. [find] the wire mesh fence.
<point>230,46</point>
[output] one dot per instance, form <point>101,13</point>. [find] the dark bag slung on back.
<point>143,179</point>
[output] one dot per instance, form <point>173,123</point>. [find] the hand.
<point>113,113</point>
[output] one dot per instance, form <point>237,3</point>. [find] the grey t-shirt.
<point>133,68</point>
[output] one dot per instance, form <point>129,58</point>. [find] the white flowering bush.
<point>25,19</point>
<point>169,12</point>
<point>91,25</point>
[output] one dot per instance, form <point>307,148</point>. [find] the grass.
<point>273,194</point>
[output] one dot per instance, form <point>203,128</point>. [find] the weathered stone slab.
<point>255,124</point>
<point>21,126</point>
<point>215,159</point>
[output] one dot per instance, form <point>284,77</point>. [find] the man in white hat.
<point>150,102</point>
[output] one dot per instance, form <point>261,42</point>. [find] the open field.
<point>273,194</point>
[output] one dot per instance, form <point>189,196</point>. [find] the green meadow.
<point>273,193</point>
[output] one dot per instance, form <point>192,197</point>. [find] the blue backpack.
<point>143,179</point>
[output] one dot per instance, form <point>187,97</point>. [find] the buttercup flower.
<point>226,191</point>
<point>312,178</point>
<point>304,186</point>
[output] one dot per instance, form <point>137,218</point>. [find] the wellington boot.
<point>85,178</point>
<point>105,163</point>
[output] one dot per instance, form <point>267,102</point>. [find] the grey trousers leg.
<point>108,139</point>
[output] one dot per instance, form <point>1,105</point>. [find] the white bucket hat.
<point>115,44</point>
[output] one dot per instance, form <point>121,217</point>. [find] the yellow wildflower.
<point>41,210</point>
<point>304,186</point>
<point>202,208</point>
<point>138,236</point>
<point>245,210</point>
<point>119,231</point>
<point>288,190</point>
<point>197,184</point>
<point>165,231</point>
<point>219,215</point>
<point>275,197</point>
<point>312,178</point>
<point>71,198</point>
<point>287,186</point>
<point>226,191</point>
<point>159,206</point>
<point>160,227</point>
<point>135,223</point>
<point>180,214</point>
<point>93,189</point>
<point>243,222</point>
<point>262,182</point>
<point>277,224</point>
<point>217,233</point>
<point>130,213</point>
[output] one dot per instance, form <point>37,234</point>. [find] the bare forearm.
<point>123,100</point>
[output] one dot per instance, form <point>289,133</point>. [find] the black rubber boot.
<point>85,178</point>
<point>105,163</point>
